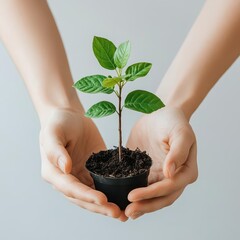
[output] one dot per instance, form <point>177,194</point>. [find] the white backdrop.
<point>208,209</point>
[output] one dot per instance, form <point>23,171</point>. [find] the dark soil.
<point>106,163</point>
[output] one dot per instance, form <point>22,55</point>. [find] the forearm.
<point>29,32</point>
<point>210,48</point>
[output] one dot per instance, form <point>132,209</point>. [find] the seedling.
<point>113,58</point>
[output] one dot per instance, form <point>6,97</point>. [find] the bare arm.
<point>67,138</point>
<point>212,45</point>
<point>29,32</point>
<point>210,48</point>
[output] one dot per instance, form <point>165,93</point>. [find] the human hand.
<point>168,138</point>
<point>67,139</point>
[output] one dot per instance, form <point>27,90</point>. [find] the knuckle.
<point>113,214</point>
<point>68,193</point>
<point>194,177</point>
<point>170,202</point>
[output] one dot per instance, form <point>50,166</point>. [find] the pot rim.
<point>120,178</point>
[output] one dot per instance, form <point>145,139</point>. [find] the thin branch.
<point>120,121</point>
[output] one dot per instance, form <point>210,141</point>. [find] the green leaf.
<point>138,70</point>
<point>92,84</point>
<point>111,82</point>
<point>122,54</point>
<point>101,109</point>
<point>143,101</point>
<point>104,51</point>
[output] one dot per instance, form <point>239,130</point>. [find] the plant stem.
<point>120,121</point>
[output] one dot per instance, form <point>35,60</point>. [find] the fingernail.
<point>61,164</point>
<point>136,215</point>
<point>172,169</point>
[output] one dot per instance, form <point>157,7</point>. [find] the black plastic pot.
<point>117,189</point>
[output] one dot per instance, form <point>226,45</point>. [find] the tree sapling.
<point>113,58</point>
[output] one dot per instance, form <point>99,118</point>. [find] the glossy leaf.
<point>92,84</point>
<point>138,70</point>
<point>104,51</point>
<point>122,54</point>
<point>143,101</point>
<point>101,109</point>
<point>111,82</point>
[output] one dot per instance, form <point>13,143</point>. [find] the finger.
<point>72,187</point>
<point>159,189</point>
<point>182,141</point>
<point>54,148</point>
<point>185,175</point>
<point>123,217</point>
<point>108,209</point>
<point>191,163</point>
<point>137,209</point>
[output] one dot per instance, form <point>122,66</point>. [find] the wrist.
<point>180,100</point>
<point>184,106</point>
<point>63,102</point>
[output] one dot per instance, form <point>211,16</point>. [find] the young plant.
<point>116,59</point>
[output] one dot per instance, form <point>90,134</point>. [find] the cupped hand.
<point>67,139</point>
<point>169,139</point>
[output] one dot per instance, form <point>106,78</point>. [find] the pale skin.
<point>210,48</point>
<point>67,138</point>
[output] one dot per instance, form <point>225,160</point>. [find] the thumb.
<point>56,153</point>
<point>177,155</point>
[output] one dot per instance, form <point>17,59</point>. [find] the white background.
<point>208,209</point>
